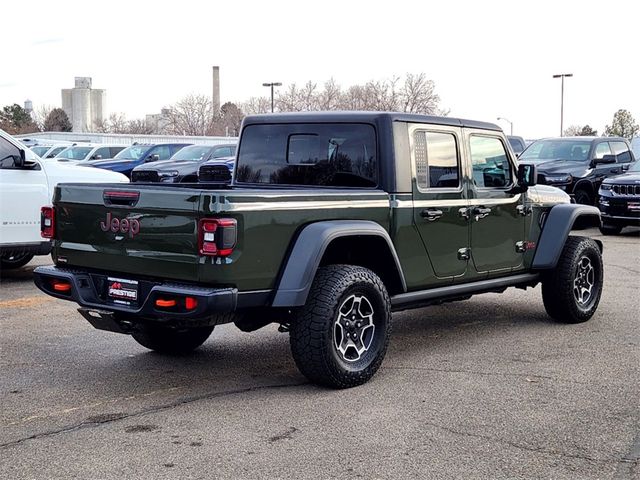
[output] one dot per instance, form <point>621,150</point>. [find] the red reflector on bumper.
<point>160,302</point>
<point>61,286</point>
<point>190,303</point>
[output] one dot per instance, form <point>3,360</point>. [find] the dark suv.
<point>578,165</point>
<point>183,166</point>
<point>619,201</point>
<point>137,154</point>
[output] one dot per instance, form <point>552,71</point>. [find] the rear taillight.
<point>47,222</point>
<point>217,236</point>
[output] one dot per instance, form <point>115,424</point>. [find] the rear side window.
<point>222,152</point>
<point>621,151</point>
<point>114,151</point>
<point>103,152</point>
<point>437,160</point>
<point>491,167</point>
<point>329,155</point>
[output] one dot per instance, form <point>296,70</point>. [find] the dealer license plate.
<point>122,291</point>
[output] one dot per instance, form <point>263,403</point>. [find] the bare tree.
<point>40,114</point>
<point>330,98</point>
<point>139,127</point>
<point>192,115</point>
<point>418,95</point>
<point>256,105</point>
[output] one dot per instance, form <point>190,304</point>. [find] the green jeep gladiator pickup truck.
<point>332,221</point>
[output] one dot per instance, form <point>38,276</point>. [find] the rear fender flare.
<point>559,222</point>
<point>308,250</point>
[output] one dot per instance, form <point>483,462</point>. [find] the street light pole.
<point>561,76</point>
<point>272,84</point>
<point>508,121</point>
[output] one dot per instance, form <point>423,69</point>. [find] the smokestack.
<point>216,89</point>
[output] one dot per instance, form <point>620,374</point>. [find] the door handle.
<point>481,212</point>
<point>431,214</point>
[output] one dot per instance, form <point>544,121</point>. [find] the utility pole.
<point>562,76</point>
<point>272,84</point>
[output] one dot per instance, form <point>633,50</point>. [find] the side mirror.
<point>20,160</point>
<point>527,175</point>
<point>153,158</point>
<point>605,159</point>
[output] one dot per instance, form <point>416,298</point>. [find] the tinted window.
<point>222,152</point>
<point>437,164</point>
<point>114,151</point>
<point>516,144</point>
<point>621,151</point>
<point>8,154</point>
<point>490,163</point>
<point>336,155</point>
<point>55,152</point>
<point>103,152</point>
<point>194,152</point>
<point>163,152</point>
<point>575,150</point>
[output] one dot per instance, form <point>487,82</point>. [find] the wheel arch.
<point>559,222</point>
<point>356,242</point>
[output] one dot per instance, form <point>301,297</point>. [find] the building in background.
<point>158,121</point>
<point>85,106</point>
<point>215,99</point>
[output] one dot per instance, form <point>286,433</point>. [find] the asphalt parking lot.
<point>486,388</point>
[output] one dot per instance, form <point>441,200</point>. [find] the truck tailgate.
<point>144,230</point>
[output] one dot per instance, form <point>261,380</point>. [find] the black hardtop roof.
<point>365,117</point>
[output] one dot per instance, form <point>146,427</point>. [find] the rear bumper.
<point>89,291</point>
<point>40,248</point>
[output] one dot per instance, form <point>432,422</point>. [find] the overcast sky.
<point>488,58</point>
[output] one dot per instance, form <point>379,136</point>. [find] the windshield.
<point>132,153</point>
<point>573,150</point>
<point>75,153</point>
<point>40,150</point>
<point>194,153</point>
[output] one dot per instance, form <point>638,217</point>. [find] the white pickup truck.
<point>26,185</point>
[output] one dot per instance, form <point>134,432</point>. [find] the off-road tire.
<point>582,196</point>
<point>10,261</point>
<point>313,331</point>
<point>608,229</point>
<point>171,341</point>
<point>558,285</point>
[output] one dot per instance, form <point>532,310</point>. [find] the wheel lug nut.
<point>347,324</point>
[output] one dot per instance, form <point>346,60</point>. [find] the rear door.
<point>23,191</point>
<point>496,215</point>
<point>142,231</point>
<point>439,200</point>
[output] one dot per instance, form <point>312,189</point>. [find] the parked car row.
<point>165,162</point>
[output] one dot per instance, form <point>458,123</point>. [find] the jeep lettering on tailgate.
<point>126,225</point>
